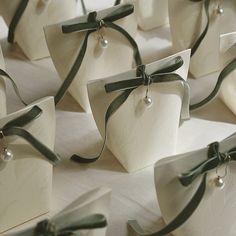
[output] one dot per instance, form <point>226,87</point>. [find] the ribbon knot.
<point>45,228</point>
<point>141,72</point>
<point>214,160</point>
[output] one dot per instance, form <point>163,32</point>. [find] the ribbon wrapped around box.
<point>202,183</point>
<point>3,105</point>
<point>228,87</point>
<point>94,46</point>
<point>152,13</point>
<point>201,30</point>
<point>138,112</point>
<point>26,158</point>
<point>26,19</point>
<point>87,215</point>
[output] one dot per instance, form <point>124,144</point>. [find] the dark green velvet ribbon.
<point>166,74</point>
<point>223,75</point>
<point>48,228</point>
<point>198,42</point>
<point>90,26</point>
<point>6,75</point>
<point>15,20</point>
<point>215,158</point>
<point>15,128</point>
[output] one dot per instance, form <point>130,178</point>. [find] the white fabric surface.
<point>134,194</point>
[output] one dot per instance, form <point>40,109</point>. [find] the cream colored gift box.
<point>186,29</point>
<point>26,181</point>
<point>29,33</point>
<point>97,62</point>
<point>136,135</point>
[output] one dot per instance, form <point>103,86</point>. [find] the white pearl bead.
<point>219,182</point>
<point>220,10</point>
<point>6,155</point>
<point>148,101</point>
<point>104,43</point>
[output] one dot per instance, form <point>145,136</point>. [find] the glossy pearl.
<point>220,10</point>
<point>6,155</point>
<point>219,182</point>
<point>148,101</point>
<point>104,43</point>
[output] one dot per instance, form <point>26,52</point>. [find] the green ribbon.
<point>92,25</point>
<point>48,228</point>
<point>215,158</point>
<point>163,75</point>
<point>224,73</point>
<point>15,127</point>
<point>15,20</point>
<point>198,42</point>
<point>6,75</point>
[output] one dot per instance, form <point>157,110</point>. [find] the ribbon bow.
<point>49,228</point>
<point>165,74</point>
<point>14,127</point>
<point>215,159</point>
<point>92,25</point>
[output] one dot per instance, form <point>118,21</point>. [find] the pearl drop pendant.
<point>148,101</point>
<point>6,155</point>
<point>103,42</point>
<point>220,10</point>
<point>219,182</point>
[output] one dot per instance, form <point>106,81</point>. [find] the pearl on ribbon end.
<point>6,155</point>
<point>220,10</point>
<point>219,182</point>
<point>148,101</point>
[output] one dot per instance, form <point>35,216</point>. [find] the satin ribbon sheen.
<point>49,228</point>
<point>127,86</point>
<point>92,25</point>
<point>215,158</point>
<point>15,127</point>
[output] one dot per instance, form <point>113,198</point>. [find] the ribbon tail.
<point>202,36</point>
<point>224,73</point>
<point>3,73</point>
<point>15,20</point>
<point>185,102</point>
<point>113,107</point>
<point>94,221</point>
<point>44,150</point>
<point>75,68</point>
<point>132,42</point>
<point>184,215</point>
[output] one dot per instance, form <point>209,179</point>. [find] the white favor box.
<point>96,201</point>
<point>186,29</point>
<point>152,13</point>
<point>216,213</point>
<point>29,32</point>
<point>3,105</point>
<point>228,87</point>
<point>26,181</point>
<point>139,136</point>
<point>98,62</point>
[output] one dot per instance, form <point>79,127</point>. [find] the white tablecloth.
<point>133,195</point>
